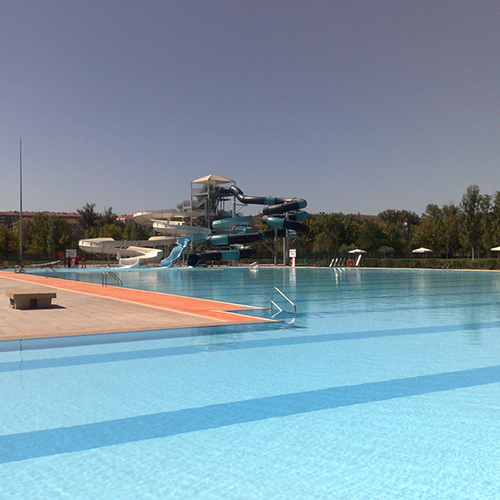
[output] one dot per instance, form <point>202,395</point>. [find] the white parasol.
<point>422,250</point>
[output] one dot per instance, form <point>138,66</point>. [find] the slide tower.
<point>281,214</point>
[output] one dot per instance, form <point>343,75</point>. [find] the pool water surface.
<point>385,385</point>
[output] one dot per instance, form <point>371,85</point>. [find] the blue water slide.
<point>283,214</point>
<point>176,253</point>
<point>199,258</point>
<point>232,222</point>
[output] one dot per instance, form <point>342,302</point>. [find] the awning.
<point>212,179</point>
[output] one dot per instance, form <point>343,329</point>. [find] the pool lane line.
<point>16,447</point>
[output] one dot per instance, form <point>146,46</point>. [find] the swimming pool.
<point>386,386</point>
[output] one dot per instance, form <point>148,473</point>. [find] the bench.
<point>30,299</point>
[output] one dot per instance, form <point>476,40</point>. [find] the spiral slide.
<point>280,213</point>
<point>240,223</point>
<point>283,213</point>
<point>129,253</point>
<point>137,253</point>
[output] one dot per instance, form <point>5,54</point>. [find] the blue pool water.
<point>386,385</point>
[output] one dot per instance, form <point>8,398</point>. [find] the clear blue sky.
<point>356,106</point>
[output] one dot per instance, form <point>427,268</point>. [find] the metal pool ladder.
<point>285,297</point>
<point>105,275</point>
<point>48,270</point>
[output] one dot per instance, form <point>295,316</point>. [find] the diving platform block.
<point>30,300</point>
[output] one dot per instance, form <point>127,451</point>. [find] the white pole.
<point>21,200</point>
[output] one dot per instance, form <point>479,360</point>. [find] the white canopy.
<point>422,250</point>
<point>496,249</point>
<point>212,179</point>
<point>357,250</point>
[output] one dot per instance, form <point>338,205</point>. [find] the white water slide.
<point>147,217</point>
<point>141,252</point>
<point>129,253</point>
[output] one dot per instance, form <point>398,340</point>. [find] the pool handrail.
<point>105,275</point>
<point>285,297</point>
<point>50,268</point>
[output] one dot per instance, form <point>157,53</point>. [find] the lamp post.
<point>21,201</point>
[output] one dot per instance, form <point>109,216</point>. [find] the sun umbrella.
<point>422,250</point>
<point>357,250</point>
<point>496,249</point>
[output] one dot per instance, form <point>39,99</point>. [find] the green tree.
<point>351,228</point>
<point>38,234</point>
<point>451,229</point>
<point>110,231</point>
<point>323,243</point>
<point>393,236</point>
<point>494,232</point>
<point>48,234</point>
<point>324,232</point>
<point>495,207</point>
<point>429,233</point>
<point>491,226</point>
<point>89,218</point>
<point>400,218</point>
<point>99,225</point>
<point>470,218</point>
<point>438,230</point>
<point>107,217</point>
<point>6,238</point>
<point>371,237</point>
<point>133,232</point>
<point>398,229</point>
<point>16,236</point>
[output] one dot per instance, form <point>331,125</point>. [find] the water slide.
<point>283,214</point>
<point>147,217</point>
<point>280,213</point>
<point>177,228</point>
<point>185,235</point>
<point>137,253</point>
<point>138,256</point>
<point>238,224</point>
<point>182,243</point>
<point>129,253</point>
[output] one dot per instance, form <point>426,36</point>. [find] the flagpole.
<point>21,201</point>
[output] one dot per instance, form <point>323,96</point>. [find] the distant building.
<point>9,218</point>
<point>125,218</point>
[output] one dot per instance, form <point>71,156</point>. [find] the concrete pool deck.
<point>88,309</point>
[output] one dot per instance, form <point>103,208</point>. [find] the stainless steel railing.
<point>273,303</point>
<point>105,275</point>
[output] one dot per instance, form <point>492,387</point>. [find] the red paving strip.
<point>210,309</point>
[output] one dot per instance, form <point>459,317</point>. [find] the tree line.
<point>469,229</point>
<point>48,236</point>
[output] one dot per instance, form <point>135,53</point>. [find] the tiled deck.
<point>86,309</point>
